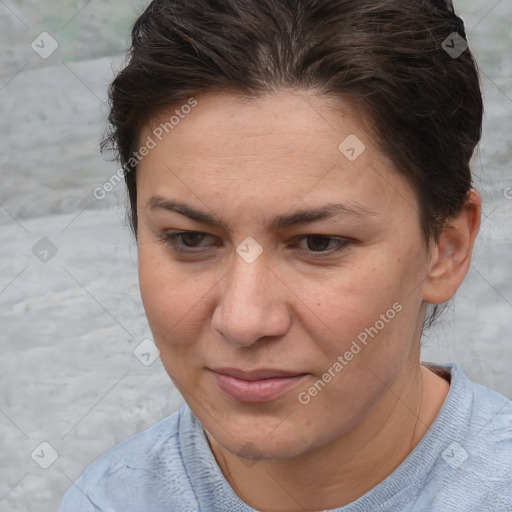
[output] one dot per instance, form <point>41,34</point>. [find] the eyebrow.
<point>306,216</point>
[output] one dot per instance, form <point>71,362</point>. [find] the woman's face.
<point>280,326</point>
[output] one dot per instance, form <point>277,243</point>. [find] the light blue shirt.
<point>462,464</point>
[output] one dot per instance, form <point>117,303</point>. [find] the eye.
<point>192,242</point>
<point>322,245</point>
<point>184,241</point>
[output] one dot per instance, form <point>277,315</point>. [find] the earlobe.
<point>451,257</point>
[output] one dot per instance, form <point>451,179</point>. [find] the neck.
<point>346,469</point>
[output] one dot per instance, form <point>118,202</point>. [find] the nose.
<point>253,304</point>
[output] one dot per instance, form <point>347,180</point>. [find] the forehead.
<point>281,119</point>
<point>282,147</point>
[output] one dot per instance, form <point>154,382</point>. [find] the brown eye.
<point>192,238</point>
<point>185,241</point>
<point>318,243</point>
<point>321,245</point>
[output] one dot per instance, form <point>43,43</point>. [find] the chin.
<point>254,439</point>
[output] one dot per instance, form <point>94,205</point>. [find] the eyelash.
<point>171,239</point>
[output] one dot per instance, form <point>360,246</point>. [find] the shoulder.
<point>489,436</point>
<point>474,404</point>
<point>140,448</point>
<point>139,471</point>
<point>481,416</point>
<point>489,412</point>
<point>473,449</point>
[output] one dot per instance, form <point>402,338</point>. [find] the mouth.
<point>256,386</point>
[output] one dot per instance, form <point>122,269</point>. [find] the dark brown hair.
<point>387,56</point>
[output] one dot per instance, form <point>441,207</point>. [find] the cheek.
<point>352,299</point>
<point>366,341</point>
<point>173,300</point>
<point>368,316</point>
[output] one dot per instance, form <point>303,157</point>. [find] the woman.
<point>301,196</point>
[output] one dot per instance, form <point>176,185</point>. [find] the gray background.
<point>69,325</point>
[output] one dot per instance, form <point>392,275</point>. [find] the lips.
<point>255,386</point>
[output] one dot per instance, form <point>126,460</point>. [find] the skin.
<point>246,162</point>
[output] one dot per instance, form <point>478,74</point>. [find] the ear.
<point>450,258</point>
